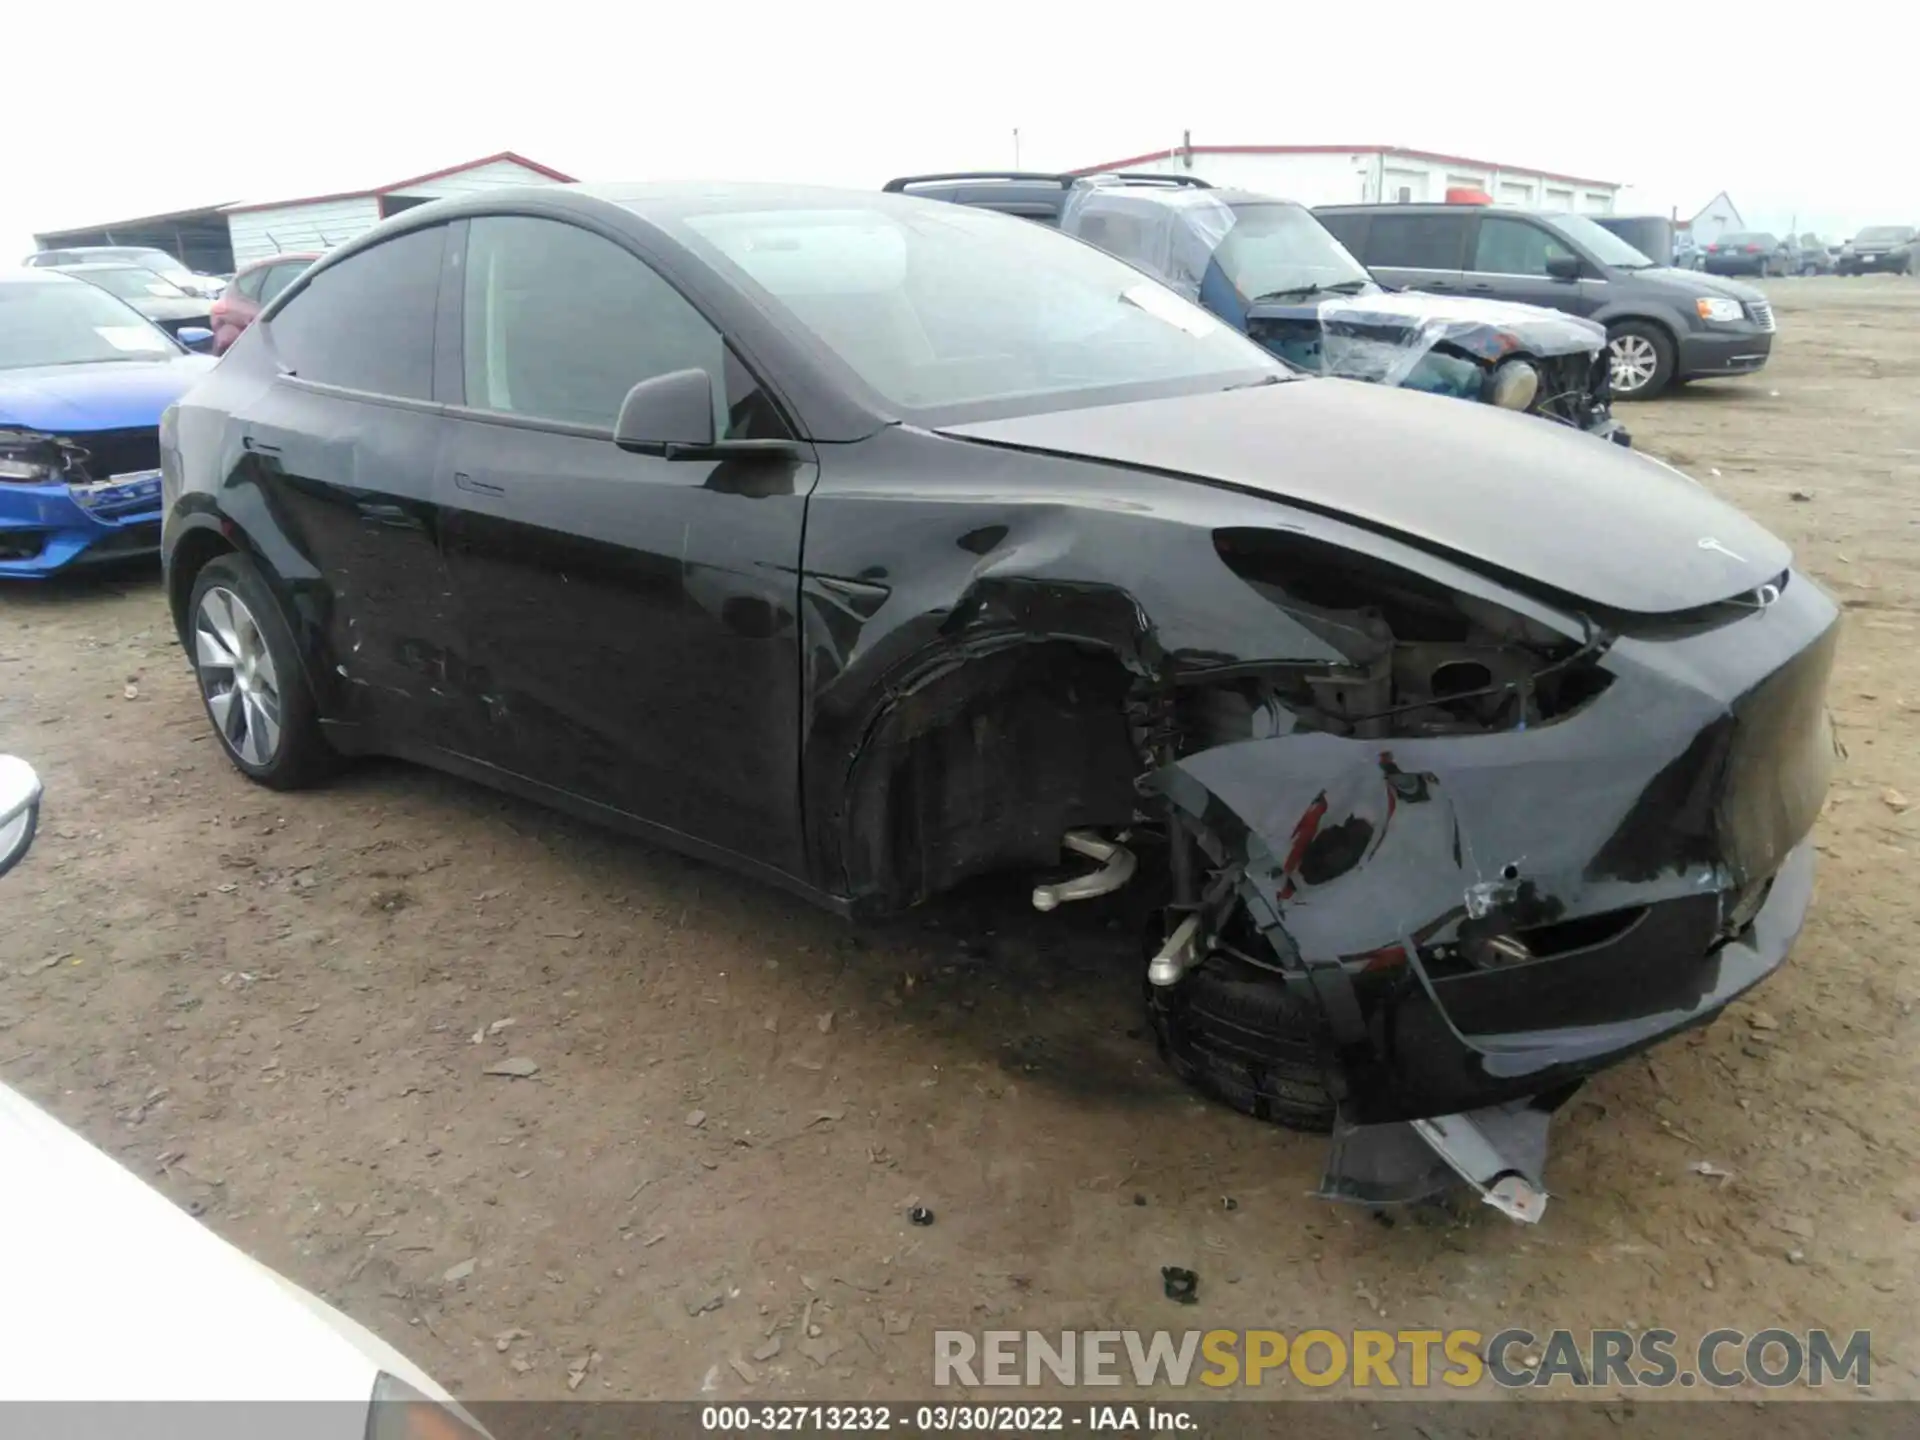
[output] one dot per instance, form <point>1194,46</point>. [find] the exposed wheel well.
<point>982,764</point>
<point>189,558</point>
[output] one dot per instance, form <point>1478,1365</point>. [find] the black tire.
<point>1237,1034</point>
<point>298,753</point>
<point>1647,334</point>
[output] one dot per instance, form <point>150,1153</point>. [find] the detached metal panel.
<point>315,225</point>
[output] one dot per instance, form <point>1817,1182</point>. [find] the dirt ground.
<point>282,1010</point>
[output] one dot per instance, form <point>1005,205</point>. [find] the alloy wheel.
<point>237,676</point>
<point>1633,362</point>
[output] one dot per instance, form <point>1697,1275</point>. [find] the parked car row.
<point>1417,278</point>
<point>1273,271</point>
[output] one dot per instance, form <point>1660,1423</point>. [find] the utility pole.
<point>1016,147</point>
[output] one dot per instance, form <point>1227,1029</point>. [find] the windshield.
<point>70,323</point>
<point>942,307</point>
<point>1599,242</point>
<point>130,282</point>
<point>1275,248</point>
<point>1885,232</point>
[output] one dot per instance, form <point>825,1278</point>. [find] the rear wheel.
<point>251,680</point>
<point>1641,358</point>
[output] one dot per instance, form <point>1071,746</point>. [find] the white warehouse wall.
<point>1349,177</point>
<point>316,225</point>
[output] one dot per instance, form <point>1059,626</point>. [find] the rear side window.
<point>276,278</point>
<point>1417,242</point>
<point>249,283</point>
<point>1350,230</point>
<point>367,322</point>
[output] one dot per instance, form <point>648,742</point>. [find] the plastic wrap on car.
<point>1382,338</point>
<point>1173,238</point>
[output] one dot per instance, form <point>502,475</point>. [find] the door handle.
<point>477,487</point>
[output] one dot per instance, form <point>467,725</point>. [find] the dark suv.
<point>1662,324</point>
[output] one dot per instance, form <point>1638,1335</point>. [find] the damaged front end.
<point>62,499</point>
<point>1434,888</point>
<point>1518,357</point>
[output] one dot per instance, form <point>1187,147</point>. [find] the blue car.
<point>83,379</point>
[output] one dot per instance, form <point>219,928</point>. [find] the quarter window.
<point>1416,242</point>
<point>559,323</point>
<point>1514,247</point>
<point>367,322</point>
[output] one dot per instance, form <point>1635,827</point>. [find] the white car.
<point>114,1294</point>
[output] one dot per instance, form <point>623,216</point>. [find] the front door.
<point>1510,261</point>
<point>631,621</point>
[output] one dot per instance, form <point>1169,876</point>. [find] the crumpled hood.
<point>1490,329</point>
<point>109,395</point>
<point>1495,488</point>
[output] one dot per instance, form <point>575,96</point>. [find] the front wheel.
<point>251,679</point>
<point>1240,1035</point>
<point>1640,359</point>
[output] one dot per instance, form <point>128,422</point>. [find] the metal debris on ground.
<point>920,1215</point>
<point>1182,1286</point>
<point>514,1068</point>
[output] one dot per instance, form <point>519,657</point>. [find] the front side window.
<point>68,322</point>
<point>1515,247</point>
<point>559,323</point>
<point>1416,242</point>
<point>367,322</point>
<point>946,308</point>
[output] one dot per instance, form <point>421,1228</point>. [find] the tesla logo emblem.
<point>1707,542</point>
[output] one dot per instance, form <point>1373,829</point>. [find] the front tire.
<point>1641,358</point>
<point>251,679</point>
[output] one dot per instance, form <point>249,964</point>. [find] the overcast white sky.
<point>138,109</point>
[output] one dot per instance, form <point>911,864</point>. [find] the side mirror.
<point>667,413</point>
<point>19,810</point>
<point>1563,267</point>
<point>194,337</point>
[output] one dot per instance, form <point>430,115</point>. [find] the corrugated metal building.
<point>320,222</point>
<point>217,239</point>
<point>1367,174</point>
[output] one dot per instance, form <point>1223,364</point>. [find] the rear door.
<point>1509,261</point>
<point>338,458</point>
<point>1417,249</point>
<point>631,620</point>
